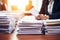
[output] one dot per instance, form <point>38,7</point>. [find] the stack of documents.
<point>53,26</point>
<point>29,26</point>
<point>7,23</point>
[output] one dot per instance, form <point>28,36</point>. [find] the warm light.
<point>29,6</point>
<point>19,4</point>
<point>24,4</point>
<point>13,7</point>
<point>14,35</point>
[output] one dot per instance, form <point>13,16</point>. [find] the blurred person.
<point>50,10</point>
<point>2,6</point>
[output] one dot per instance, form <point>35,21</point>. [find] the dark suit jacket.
<point>55,11</point>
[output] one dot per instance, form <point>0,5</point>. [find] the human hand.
<point>42,17</point>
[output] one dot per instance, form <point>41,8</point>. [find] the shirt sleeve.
<point>36,7</point>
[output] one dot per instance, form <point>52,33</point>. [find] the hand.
<point>42,17</point>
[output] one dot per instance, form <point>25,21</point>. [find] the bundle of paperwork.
<point>53,26</point>
<point>7,23</point>
<point>28,25</point>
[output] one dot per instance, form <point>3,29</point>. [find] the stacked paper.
<point>53,26</point>
<point>7,23</point>
<point>29,26</point>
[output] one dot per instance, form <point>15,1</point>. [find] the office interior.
<point>18,22</point>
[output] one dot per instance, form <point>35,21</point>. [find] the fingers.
<point>42,17</point>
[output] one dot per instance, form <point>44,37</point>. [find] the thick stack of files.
<point>29,27</point>
<point>7,23</point>
<point>53,26</point>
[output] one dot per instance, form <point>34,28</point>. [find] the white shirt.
<point>37,7</point>
<point>50,6</point>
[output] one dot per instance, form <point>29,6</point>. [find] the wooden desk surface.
<point>14,36</point>
<point>28,37</point>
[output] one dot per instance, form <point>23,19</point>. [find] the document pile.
<point>53,26</point>
<point>29,26</point>
<point>7,23</point>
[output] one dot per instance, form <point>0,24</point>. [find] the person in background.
<point>2,6</point>
<point>50,10</point>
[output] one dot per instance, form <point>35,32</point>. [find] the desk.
<point>29,37</point>
<point>14,36</point>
